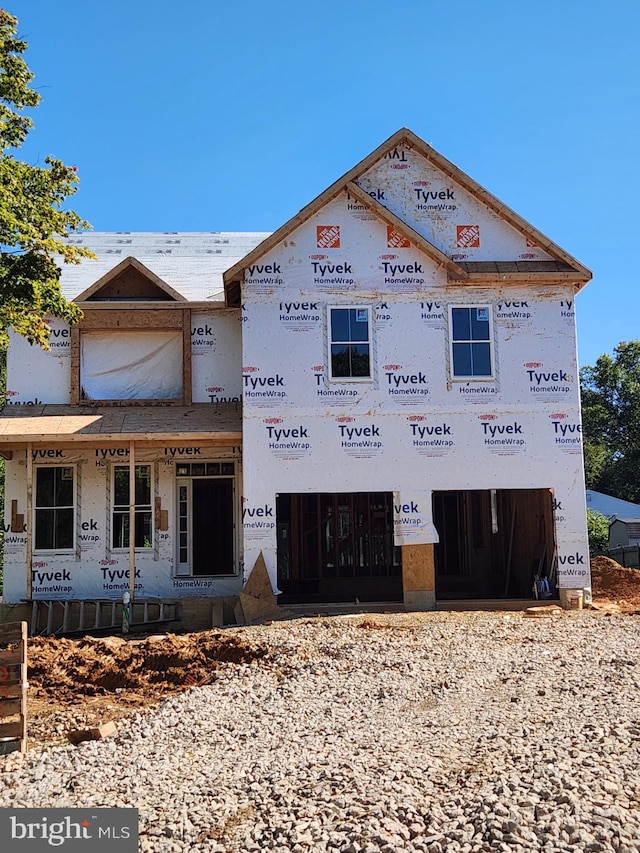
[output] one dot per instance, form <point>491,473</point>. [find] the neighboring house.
<point>405,352</point>
<point>610,506</point>
<point>624,531</point>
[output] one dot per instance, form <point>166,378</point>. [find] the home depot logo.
<point>396,240</point>
<point>468,236</point>
<point>328,236</point>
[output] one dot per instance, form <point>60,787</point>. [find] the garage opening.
<point>494,543</point>
<point>337,548</point>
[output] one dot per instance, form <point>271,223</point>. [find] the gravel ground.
<point>423,732</point>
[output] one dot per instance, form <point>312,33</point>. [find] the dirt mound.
<point>612,582</point>
<point>65,669</point>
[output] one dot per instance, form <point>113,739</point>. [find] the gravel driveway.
<point>399,732</point>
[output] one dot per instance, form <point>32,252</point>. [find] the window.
<point>120,507</point>
<point>471,349</point>
<point>54,508</point>
<point>350,343</point>
<point>136,365</point>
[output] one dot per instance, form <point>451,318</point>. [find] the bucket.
<point>572,599</point>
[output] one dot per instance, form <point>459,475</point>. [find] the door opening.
<point>493,543</point>
<point>206,532</point>
<point>337,547</point>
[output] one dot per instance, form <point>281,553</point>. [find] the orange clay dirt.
<point>80,683</point>
<point>613,585</point>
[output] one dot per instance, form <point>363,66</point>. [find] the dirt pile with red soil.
<point>611,582</point>
<point>80,683</point>
<point>65,668</point>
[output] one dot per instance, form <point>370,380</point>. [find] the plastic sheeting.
<point>131,365</point>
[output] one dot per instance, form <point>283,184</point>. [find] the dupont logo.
<point>558,416</point>
<point>416,418</point>
<point>319,257</point>
<point>318,368</point>
<point>215,389</point>
<point>395,239</point>
<point>421,184</point>
<point>389,257</point>
<point>12,393</point>
<point>34,830</point>
<point>345,419</point>
<point>328,236</point>
<point>392,367</point>
<point>250,369</point>
<point>272,421</point>
<point>468,236</point>
<point>532,364</point>
<point>487,417</point>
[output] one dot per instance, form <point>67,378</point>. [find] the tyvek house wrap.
<point>131,365</point>
<point>412,428</point>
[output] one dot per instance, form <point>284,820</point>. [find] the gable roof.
<point>130,280</point>
<point>611,506</point>
<point>190,262</point>
<point>631,525</point>
<point>565,269</point>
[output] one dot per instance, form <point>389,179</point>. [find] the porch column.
<point>419,577</point>
<point>132,518</point>
<point>29,520</point>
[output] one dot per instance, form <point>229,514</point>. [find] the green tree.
<point>33,222</point>
<point>598,531</point>
<point>611,422</point>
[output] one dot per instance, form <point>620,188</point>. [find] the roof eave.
<point>484,278</point>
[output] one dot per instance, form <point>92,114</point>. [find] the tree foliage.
<point>33,222</point>
<point>611,422</point>
<point>598,532</point>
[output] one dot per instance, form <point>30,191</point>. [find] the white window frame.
<point>73,507</point>
<point>369,343</point>
<point>142,549</point>
<point>492,344</point>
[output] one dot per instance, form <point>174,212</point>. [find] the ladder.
<point>85,616</point>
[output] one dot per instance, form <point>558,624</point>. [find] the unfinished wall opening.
<point>206,531</point>
<point>337,547</point>
<point>493,543</point>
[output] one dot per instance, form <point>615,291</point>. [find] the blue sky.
<point>207,116</point>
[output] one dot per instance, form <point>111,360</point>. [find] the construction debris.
<point>257,601</point>
<point>77,736</point>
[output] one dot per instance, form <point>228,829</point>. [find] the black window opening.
<point>350,334</point>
